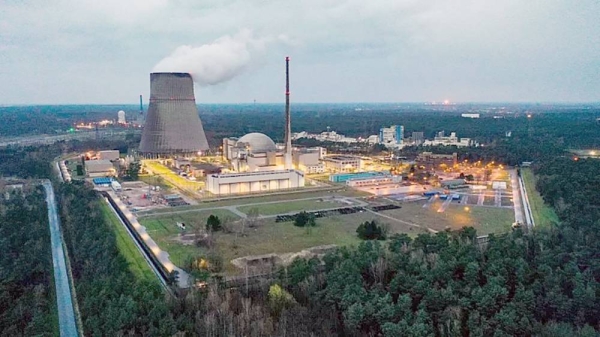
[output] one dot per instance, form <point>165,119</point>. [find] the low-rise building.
<point>376,180</point>
<point>253,182</point>
<point>451,140</point>
<point>343,163</point>
<point>100,168</point>
<point>108,155</point>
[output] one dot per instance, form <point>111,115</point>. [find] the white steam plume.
<point>218,61</point>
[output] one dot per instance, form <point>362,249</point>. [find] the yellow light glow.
<point>467,208</point>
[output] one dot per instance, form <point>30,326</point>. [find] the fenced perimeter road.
<point>66,315</point>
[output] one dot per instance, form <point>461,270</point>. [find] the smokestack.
<point>173,126</point>
<point>140,118</point>
<point>288,121</point>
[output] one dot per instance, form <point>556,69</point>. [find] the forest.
<point>27,296</point>
<point>539,283</point>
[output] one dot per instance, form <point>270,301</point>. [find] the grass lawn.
<point>543,215</point>
<point>297,205</point>
<point>485,220</point>
<point>164,231</point>
<point>267,237</point>
<point>137,264</point>
<point>155,181</point>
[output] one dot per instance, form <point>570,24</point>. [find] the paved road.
<point>231,208</point>
<point>526,206</point>
<point>481,198</point>
<point>445,204</point>
<point>66,315</point>
<point>516,191</point>
<point>430,201</point>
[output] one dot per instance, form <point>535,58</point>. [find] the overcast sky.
<point>90,51</point>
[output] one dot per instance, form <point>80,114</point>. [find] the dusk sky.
<point>89,51</point>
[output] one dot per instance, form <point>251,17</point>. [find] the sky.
<point>101,52</point>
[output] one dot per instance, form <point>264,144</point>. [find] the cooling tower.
<point>173,126</point>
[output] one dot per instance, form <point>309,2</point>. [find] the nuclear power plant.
<point>260,166</point>
<point>172,126</point>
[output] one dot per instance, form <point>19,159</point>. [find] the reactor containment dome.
<point>173,127</point>
<point>257,142</point>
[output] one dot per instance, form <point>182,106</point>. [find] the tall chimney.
<point>172,126</point>
<point>140,118</point>
<point>141,106</point>
<point>288,121</point>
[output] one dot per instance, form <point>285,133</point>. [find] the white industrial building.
<point>441,139</point>
<point>378,180</point>
<point>254,182</point>
<point>470,115</point>
<point>343,163</point>
<point>253,152</point>
<point>308,160</point>
<point>256,152</point>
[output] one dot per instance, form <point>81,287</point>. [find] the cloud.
<point>219,61</point>
<point>371,50</point>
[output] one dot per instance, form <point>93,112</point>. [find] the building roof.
<point>102,165</point>
<point>257,142</point>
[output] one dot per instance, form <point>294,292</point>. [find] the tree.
<point>305,219</point>
<point>370,230</point>
<point>252,217</point>
<point>279,299</point>
<point>133,170</point>
<point>213,223</point>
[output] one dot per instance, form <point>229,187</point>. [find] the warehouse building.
<point>343,163</point>
<point>254,182</point>
<point>377,180</point>
<point>99,168</point>
<point>108,155</point>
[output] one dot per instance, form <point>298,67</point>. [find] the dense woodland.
<point>27,297</point>
<point>544,283</point>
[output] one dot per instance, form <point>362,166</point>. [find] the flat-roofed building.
<point>378,180</point>
<point>343,163</point>
<point>108,155</point>
<point>309,160</point>
<point>254,182</point>
<point>99,168</point>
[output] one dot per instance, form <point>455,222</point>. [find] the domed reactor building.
<point>173,127</point>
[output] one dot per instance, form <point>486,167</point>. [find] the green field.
<point>294,205</point>
<point>543,215</point>
<point>267,237</point>
<point>164,231</point>
<point>136,262</point>
<point>485,220</point>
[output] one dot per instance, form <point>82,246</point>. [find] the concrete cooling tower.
<point>173,126</point>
